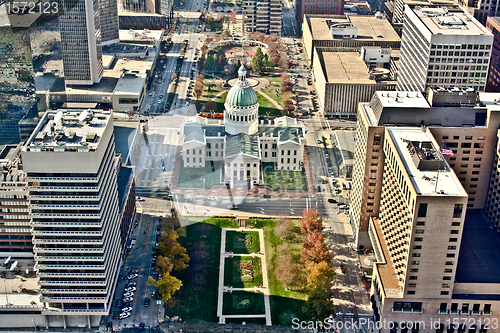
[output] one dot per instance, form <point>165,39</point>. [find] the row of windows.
<point>12,196</point>
<point>209,145</point>
<point>288,160</point>
<point>194,160</point>
<point>461,47</point>
<point>274,146</point>
<point>457,210</point>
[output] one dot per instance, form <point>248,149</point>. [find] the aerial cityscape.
<point>250,166</point>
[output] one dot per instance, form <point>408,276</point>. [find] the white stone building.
<point>241,144</point>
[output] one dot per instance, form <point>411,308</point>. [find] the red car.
<point>342,269</point>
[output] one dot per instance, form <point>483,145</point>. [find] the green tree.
<point>257,60</point>
<point>319,283</point>
<point>268,62</point>
<point>221,59</point>
<point>166,286</point>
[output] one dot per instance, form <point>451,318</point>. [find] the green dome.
<point>241,96</point>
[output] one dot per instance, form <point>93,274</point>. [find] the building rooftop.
<point>242,144</point>
<point>479,251</point>
<point>130,83</point>
<point>345,67</point>
<point>422,158</point>
<point>10,167</point>
<point>346,140</point>
<point>495,19</point>
<point>369,27</point>
<point>124,132</point>
<point>140,35</point>
<point>449,21</point>
<point>69,130</point>
<point>19,290</point>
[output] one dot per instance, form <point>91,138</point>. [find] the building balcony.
<point>64,179</point>
<point>72,283</point>
<point>46,291</point>
<point>73,299</point>
<point>53,311</point>
<point>65,207</point>
<point>69,215</point>
<point>41,267</point>
<point>65,224</point>
<point>66,233</point>
<point>69,258</point>
<point>37,249</point>
<point>64,197</point>
<point>68,241</point>
<point>71,275</point>
<point>64,188</point>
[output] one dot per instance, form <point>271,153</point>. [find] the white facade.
<point>441,47</point>
<point>73,199</point>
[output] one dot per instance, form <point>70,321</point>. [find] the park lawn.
<point>264,102</point>
<point>232,245</point>
<point>285,304</point>
<point>208,95</point>
<point>243,302</point>
<point>220,222</point>
<point>195,301</point>
<point>269,112</point>
<point>275,84</point>
<point>233,276</point>
<point>280,179</point>
<point>192,177</point>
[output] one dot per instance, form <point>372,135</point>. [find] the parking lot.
<point>135,304</point>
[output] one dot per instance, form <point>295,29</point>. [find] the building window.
<point>453,240</point>
<point>187,151</point>
<point>187,159</point>
<point>265,154</point>
<point>449,263</point>
<point>422,210</point>
<point>295,152</point>
<point>457,211</point>
<point>216,146</point>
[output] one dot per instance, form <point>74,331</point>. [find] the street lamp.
<point>203,179</point>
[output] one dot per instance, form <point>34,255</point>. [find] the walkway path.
<point>270,99</point>
<point>265,281</point>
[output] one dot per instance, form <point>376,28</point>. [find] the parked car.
<point>146,302</point>
<point>130,289</point>
<point>332,200</point>
<point>132,276</point>
<point>127,299</point>
<point>141,326</point>
<point>128,294</point>
<point>139,199</point>
<point>124,315</point>
<point>131,284</point>
<point>343,206</point>
<point>342,269</point>
<point>127,309</point>
<point>267,196</point>
<point>211,198</point>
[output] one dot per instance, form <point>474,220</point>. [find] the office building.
<point>480,9</point>
<point>397,7</point>
<point>262,16</point>
<point>81,43</point>
<point>493,84</point>
<point>108,14</point>
<point>303,7</point>
<point>15,230</point>
<point>455,118</point>
<point>161,7</point>
<point>17,85</point>
<point>71,170</point>
<point>343,79</point>
<point>334,32</point>
<point>443,47</point>
<point>344,147</point>
<point>432,267</point>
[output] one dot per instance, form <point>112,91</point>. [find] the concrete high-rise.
<point>17,83</point>
<point>493,84</point>
<point>325,7</point>
<point>81,41</point>
<point>481,9</point>
<point>71,170</point>
<point>443,47</point>
<point>262,16</point>
<point>109,21</point>
<point>421,212</point>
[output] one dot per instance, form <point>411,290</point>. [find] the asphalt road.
<point>140,258</point>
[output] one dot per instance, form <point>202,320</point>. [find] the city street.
<point>139,259</point>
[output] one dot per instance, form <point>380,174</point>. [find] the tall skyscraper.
<point>419,207</point>
<point>481,9</point>
<point>493,84</point>
<point>17,83</point>
<point>109,21</point>
<point>443,47</point>
<point>71,170</point>
<point>81,41</point>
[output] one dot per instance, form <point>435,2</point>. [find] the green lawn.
<point>192,177</point>
<point>219,222</point>
<point>243,302</point>
<point>242,242</point>
<point>285,304</point>
<point>280,179</point>
<point>236,276</point>
<point>275,84</point>
<point>197,298</point>
<point>264,102</point>
<point>214,90</point>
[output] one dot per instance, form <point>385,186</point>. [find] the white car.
<point>127,299</point>
<point>211,198</point>
<point>139,199</point>
<point>343,207</point>
<point>132,276</point>
<point>130,289</point>
<point>131,284</point>
<point>128,309</point>
<point>124,315</point>
<point>128,294</point>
